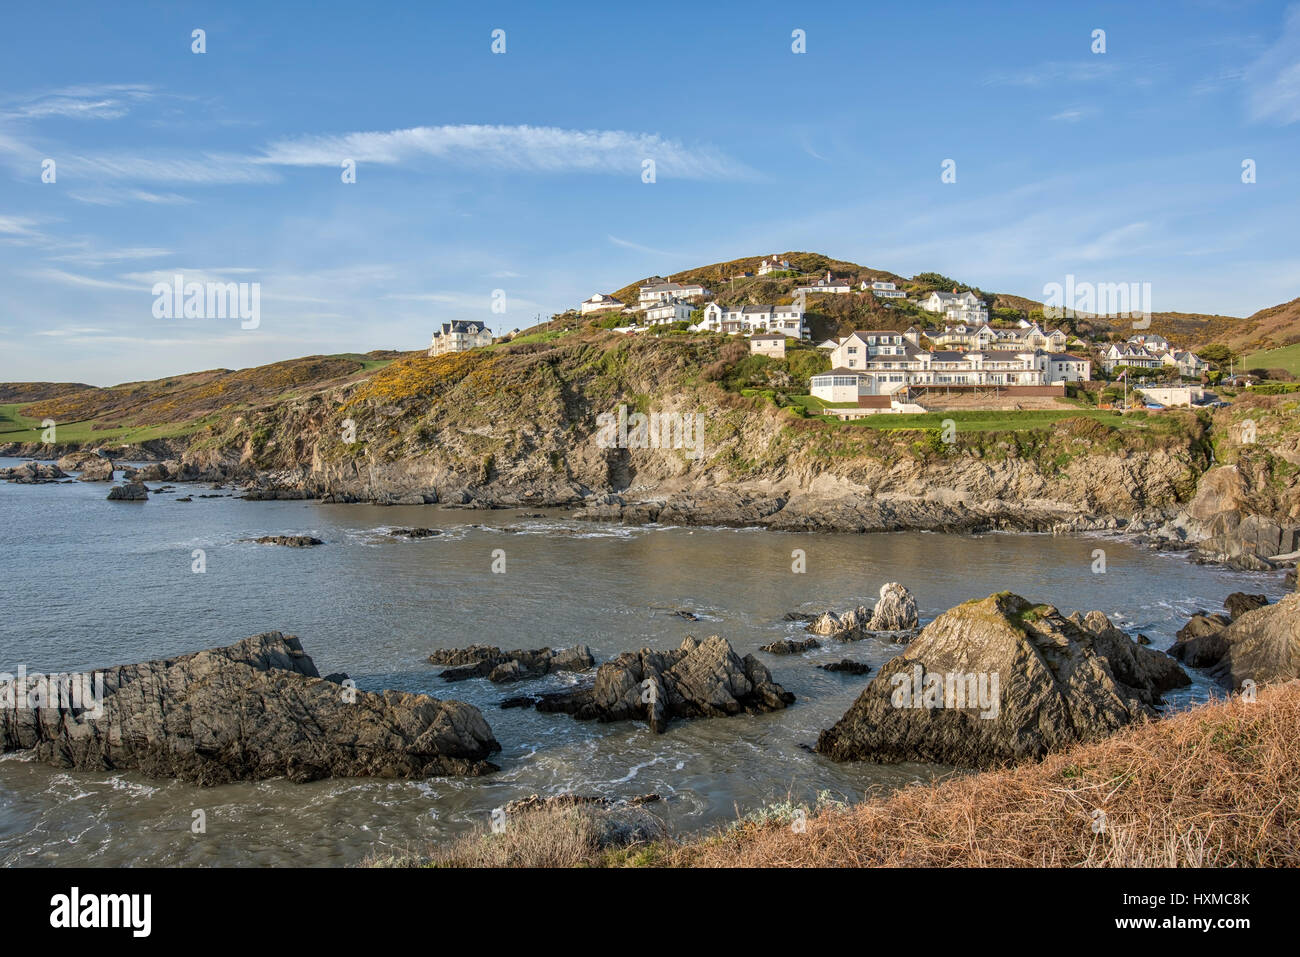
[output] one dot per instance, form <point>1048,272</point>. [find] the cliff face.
<point>528,426</point>
<point>558,424</point>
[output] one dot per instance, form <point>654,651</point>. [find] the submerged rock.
<point>848,667</point>
<point>415,532</point>
<point>252,710</point>
<point>699,679</point>
<point>791,646</point>
<point>489,661</point>
<point>1002,680</point>
<point>289,541</point>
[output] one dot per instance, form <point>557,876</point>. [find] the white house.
<point>881,289</point>
<point>657,291</point>
<point>768,344</point>
<point>838,385</point>
<point>599,303</point>
<point>668,310</point>
<point>963,307</point>
<point>1062,367</point>
<point>1189,365</point>
<point>1127,354</point>
<point>458,336</point>
<point>826,284</point>
<point>773,265</point>
<point>787,320</point>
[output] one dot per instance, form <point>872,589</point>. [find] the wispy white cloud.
<point>1073,114</point>
<point>93,102</point>
<point>628,244</point>
<point>533,148</point>
<point>1273,80</point>
<point>1043,74</point>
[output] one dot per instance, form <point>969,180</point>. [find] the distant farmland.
<point>1287,358</point>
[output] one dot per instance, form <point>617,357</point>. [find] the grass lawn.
<point>1287,358</point>
<point>991,421</point>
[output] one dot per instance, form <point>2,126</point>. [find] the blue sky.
<point>522,171</point>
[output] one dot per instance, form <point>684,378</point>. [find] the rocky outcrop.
<point>699,679</point>
<point>488,661</point>
<point>99,470</point>
<point>252,710</point>
<point>895,611</point>
<point>130,492</point>
<point>791,646</point>
<point>1263,645</point>
<point>1241,527</point>
<point>1238,603</point>
<point>1001,680</point>
<point>415,532</point>
<point>32,473</point>
<point>92,466</point>
<point>1258,643</point>
<point>849,626</point>
<point>289,541</point>
<point>1203,641</point>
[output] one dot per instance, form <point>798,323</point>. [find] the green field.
<point>15,427</point>
<point>1288,358</point>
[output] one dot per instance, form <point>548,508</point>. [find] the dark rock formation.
<point>415,532</point>
<point>1238,603</point>
<point>791,646</point>
<point>1001,680</point>
<point>252,710</point>
<point>289,541</point>
<point>32,473</point>
<point>488,661</point>
<point>130,492</point>
<point>848,667</point>
<point>700,679</point>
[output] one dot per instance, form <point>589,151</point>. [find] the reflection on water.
<point>91,583</point>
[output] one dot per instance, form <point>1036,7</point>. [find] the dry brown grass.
<point>1217,786</point>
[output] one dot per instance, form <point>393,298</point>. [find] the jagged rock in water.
<point>848,667</point>
<point>791,646</point>
<point>699,679</point>
<point>32,473</point>
<point>252,710</point>
<point>1238,603</point>
<point>895,611</point>
<point>1262,645</point>
<point>130,492</point>
<point>415,532</point>
<point>489,661</point>
<point>849,626</point>
<point>289,541</point>
<point>1001,680</point>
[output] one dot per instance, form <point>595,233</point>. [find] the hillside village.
<point>871,343</point>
